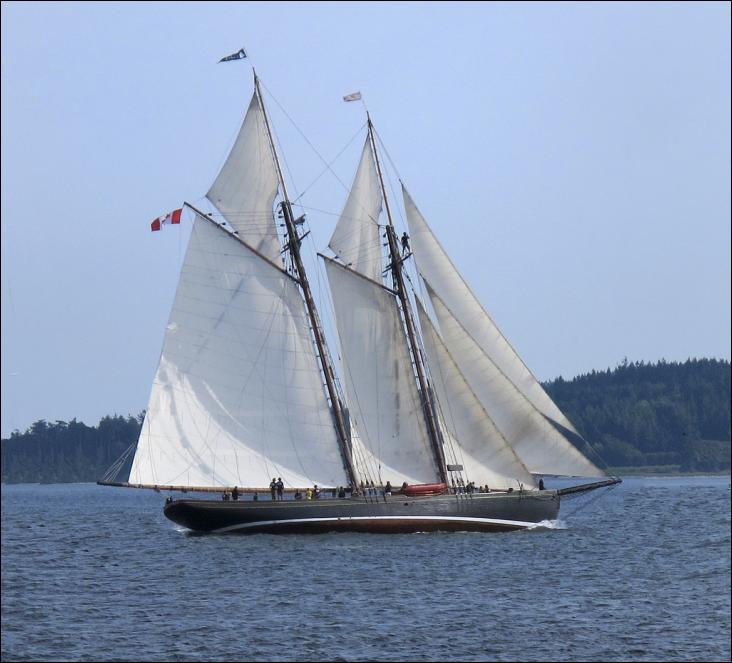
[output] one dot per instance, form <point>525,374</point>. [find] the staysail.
<point>245,189</point>
<point>381,390</point>
<point>475,441</point>
<point>536,440</point>
<point>437,268</point>
<point>237,398</point>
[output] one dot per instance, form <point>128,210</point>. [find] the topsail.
<point>245,189</point>
<point>355,239</point>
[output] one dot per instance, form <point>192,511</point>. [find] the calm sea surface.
<point>93,573</point>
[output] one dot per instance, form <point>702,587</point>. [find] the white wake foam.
<point>549,524</point>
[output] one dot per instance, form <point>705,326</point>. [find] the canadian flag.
<point>172,217</point>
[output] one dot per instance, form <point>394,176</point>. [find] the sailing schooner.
<point>246,389</point>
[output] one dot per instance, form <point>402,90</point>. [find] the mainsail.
<point>237,398</point>
<point>380,386</point>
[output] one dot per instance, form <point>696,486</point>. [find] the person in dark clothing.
<point>316,492</point>
<point>541,484</point>
<point>235,494</point>
<point>256,497</point>
<point>387,488</point>
<point>405,243</point>
<point>280,489</point>
<point>273,488</point>
<point>341,492</point>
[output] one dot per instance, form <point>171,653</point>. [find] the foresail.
<point>476,443</point>
<point>356,238</point>
<point>237,398</point>
<point>245,189</point>
<point>437,268</point>
<point>384,403</point>
<point>537,442</point>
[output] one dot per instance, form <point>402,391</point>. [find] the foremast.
<point>293,246</point>
<point>406,307</point>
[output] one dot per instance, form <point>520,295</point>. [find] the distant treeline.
<point>66,452</point>
<point>669,415</point>
<point>673,415</point>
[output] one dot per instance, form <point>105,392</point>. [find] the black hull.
<point>449,513</point>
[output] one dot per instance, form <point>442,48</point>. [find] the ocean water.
<point>641,574</point>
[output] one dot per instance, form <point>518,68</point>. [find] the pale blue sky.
<point>574,160</point>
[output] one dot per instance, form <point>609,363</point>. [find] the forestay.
<point>383,400</point>
<point>237,398</point>
<point>538,443</point>
<point>355,239</point>
<point>476,443</point>
<point>245,189</point>
<point>437,268</point>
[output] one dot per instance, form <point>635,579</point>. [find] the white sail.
<point>355,239</point>
<point>382,395</point>
<point>536,441</point>
<point>237,398</point>
<point>476,443</point>
<point>436,267</point>
<point>245,189</point>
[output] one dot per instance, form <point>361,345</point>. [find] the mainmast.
<point>294,248</point>
<point>396,269</point>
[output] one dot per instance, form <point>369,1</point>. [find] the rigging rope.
<point>114,469</point>
<point>591,499</point>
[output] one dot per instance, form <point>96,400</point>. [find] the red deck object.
<point>425,489</point>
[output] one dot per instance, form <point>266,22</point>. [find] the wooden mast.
<point>294,248</point>
<point>396,270</point>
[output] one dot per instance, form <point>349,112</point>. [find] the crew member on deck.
<point>541,484</point>
<point>273,488</point>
